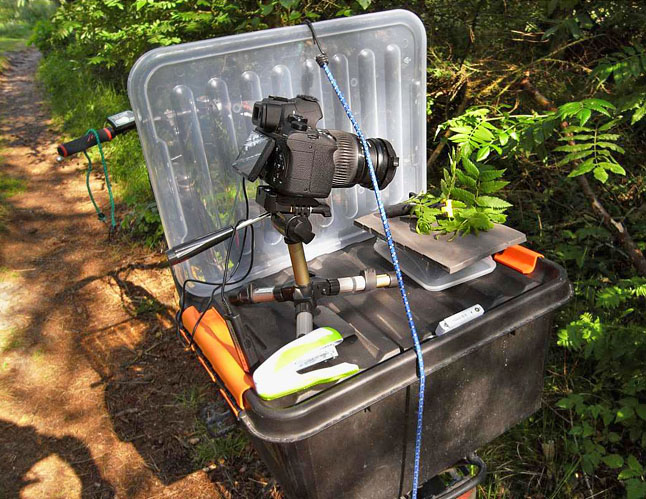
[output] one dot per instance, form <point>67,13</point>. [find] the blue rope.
<point>400,280</point>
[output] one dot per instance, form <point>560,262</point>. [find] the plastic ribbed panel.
<point>193,103</point>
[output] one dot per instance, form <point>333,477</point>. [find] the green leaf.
<point>609,125</point>
<point>634,465</point>
<point>565,403</point>
<point>625,412</point>
<point>483,153</point>
<point>608,136</point>
<point>465,130</point>
<point>574,156</point>
<point>598,103</point>
<point>486,175</point>
<point>479,221</point>
<point>575,138</point>
<point>641,411</point>
<point>574,147</point>
<point>289,4</point>
<point>585,167</point>
<point>601,175</point>
<point>492,202</point>
<point>466,180</point>
<point>460,138</point>
<point>265,10</point>
<point>492,186</point>
<point>570,109</point>
<point>577,129</point>
<point>470,167</point>
<point>482,134</point>
<point>613,167</point>
<point>611,146</point>
<point>635,489</point>
<point>626,474</point>
<point>613,461</point>
<point>584,116</point>
<point>462,195</point>
<point>639,114</point>
<point>364,3</point>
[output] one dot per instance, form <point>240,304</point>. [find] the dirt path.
<point>97,398</point>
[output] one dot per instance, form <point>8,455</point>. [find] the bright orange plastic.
<point>213,338</point>
<point>518,258</point>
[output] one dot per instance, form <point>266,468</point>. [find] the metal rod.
<point>304,323</point>
<point>354,284</point>
<point>184,251</point>
<point>299,264</point>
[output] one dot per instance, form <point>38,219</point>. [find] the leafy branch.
<point>627,64</point>
<point>619,230</point>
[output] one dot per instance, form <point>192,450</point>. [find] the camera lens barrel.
<point>351,167</point>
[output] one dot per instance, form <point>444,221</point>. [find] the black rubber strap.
<point>398,210</point>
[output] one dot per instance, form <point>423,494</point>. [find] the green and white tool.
<point>279,375</point>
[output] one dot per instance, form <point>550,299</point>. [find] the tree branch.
<point>445,136</point>
<point>622,235</point>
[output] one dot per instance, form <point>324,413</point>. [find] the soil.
<point>97,396</point>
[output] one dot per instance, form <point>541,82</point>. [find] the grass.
<point>9,44</point>
<point>191,398</point>
<point>79,101</point>
<point>9,186</point>
<point>210,450</point>
<point>13,37</point>
<point>11,339</point>
<point>6,274</point>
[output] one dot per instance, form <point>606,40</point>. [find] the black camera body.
<point>296,159</point>
<point>303,160</point>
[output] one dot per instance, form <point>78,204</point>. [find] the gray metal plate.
<point>451,255</point>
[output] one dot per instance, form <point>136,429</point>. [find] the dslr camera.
<point>298,160</point>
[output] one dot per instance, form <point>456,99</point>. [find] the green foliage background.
<point>500,146</point>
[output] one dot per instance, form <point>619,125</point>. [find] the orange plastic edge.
<point>213,338</point>
<point>518,258</point>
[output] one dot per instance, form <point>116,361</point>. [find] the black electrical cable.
<point>219,285</point>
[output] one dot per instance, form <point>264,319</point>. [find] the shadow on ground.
<point>21,441</point>
<point>95,353</point>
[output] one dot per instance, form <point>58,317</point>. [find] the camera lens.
<point>351,167</point>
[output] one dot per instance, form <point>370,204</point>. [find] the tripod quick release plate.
<point>275,203</point>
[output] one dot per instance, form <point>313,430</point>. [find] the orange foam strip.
<point>213,338</point>
<point>518,258</point>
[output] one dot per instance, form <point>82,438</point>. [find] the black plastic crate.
<point>356,438</point>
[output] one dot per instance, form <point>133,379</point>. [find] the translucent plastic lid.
<point>193,103</point>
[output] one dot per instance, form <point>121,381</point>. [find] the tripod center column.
<point>299,264</point>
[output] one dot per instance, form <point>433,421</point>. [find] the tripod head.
<point>290,215</point>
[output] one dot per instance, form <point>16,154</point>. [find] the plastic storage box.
<point>353,439</point>
<point>193,103</point>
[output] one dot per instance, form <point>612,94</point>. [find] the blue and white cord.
<point>393,256</point>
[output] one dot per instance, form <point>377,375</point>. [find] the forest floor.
<point>97,396</point>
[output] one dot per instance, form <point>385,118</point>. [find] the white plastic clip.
<point>459,319</point>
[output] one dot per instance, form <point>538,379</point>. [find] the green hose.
<point>99,213</point>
